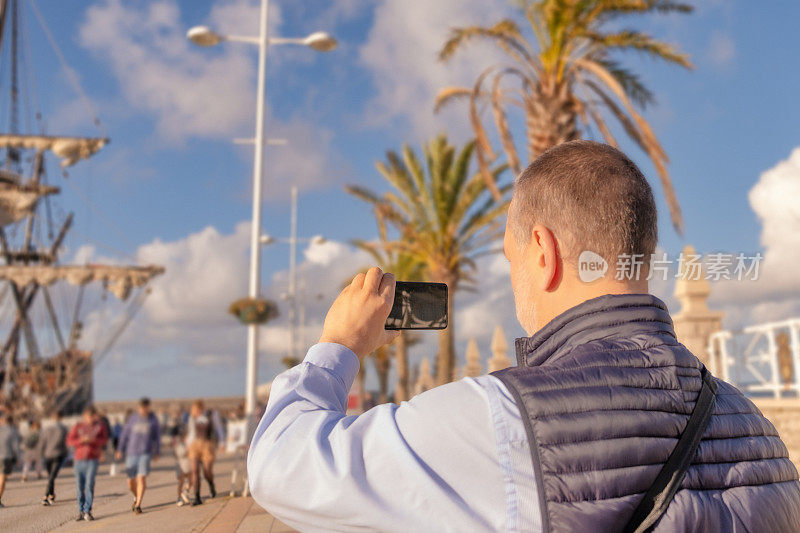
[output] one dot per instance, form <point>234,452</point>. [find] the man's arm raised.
<point>393,468</point>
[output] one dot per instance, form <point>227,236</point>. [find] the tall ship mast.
<point>46,360</point>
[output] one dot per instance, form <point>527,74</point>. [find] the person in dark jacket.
<point>53,449</point>
<point>573,437</point>
<point>88,437</point>
<point>31,458</point>
<point>140,442</point>
<point>9,449</point>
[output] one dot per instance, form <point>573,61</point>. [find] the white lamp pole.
<point>320,41</point>
<point>291,294</point>
<point>255,230</point>
<point>293,278</point>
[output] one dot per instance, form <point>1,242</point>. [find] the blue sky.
<point>171,186</point>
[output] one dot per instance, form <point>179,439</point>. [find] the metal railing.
<point>763,358</point>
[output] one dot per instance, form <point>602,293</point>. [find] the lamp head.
<point>320,41</point>
<point>203,36</point>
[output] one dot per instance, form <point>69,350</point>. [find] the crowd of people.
<point>134,440</point>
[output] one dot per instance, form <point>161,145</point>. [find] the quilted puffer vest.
<point>605,390</point>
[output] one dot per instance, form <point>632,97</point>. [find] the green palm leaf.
<point>574,55</point>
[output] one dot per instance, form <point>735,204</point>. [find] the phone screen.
<point>418,305</point>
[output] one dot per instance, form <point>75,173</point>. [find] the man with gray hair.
<point>607,423</point>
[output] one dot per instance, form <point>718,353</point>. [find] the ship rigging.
<point>46,359</point>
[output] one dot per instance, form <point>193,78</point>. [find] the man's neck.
<point>568,297</point>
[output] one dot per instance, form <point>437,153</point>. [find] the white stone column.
<point>499,346</point>
<point>425,379</point>
<point>473,367</point>
<point>695,322</point>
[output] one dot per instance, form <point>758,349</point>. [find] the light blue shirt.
<point>455,458</point>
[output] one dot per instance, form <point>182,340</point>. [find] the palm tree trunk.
<point>401,364</point>
<point>446,356</point>
<point>551,117</point>
<point>361,378</point>
<point>382,364</point>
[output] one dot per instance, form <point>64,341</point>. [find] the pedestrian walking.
<point>88,438</point>
<point>9,450</point>
<point>183,467</point>
<point>116,433</point>
<point>140,442</point>
<point>103,418</point>
<point>53,449</point>
<point>205,430</point>
<point>236,430</point>
<point>31,459</point>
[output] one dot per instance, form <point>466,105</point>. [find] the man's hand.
<point>357,317</point>
<point>119,456</point>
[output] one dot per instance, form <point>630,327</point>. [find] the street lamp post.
<point>293,278</point>
<point>292,294</point>
<point>320,41</point>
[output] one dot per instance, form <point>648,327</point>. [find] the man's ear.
<point>546,257</point>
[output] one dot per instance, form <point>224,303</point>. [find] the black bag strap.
<point>669,479</point>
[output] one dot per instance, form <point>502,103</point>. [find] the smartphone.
<point>418,305</point>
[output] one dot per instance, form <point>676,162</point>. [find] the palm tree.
<point>566,79</point>
<point>406,267</point>
<point>445,218</point>
<point>383,362</point>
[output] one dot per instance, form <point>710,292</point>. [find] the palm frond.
<point>635,40</point>
<point>653,151</point>
<point>598,120</point>
<point>611,82</point>
<point>450,94</point>
<point>417,173</point>
<point>483,152</point>
<point>458,174</point>
<point>627,7</point>
<point>501,122</point>
<point>505,34</point>
<point>630,82</point>
<point>362,193</point>
<point>372,249</point>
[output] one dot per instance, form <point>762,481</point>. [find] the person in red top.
<point>88,438</point>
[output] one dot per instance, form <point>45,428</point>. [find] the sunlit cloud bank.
<point>776,293</point>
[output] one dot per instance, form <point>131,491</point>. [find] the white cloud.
<point>721,49</point>
<point>204,272</point>
<point>191,92</point>
<point>184,320</point>
<point>308,161</point>
<point>776,294</point>
<point>490,305</point>
<point>186,310</point>
<point>184,329</point>
<point>402,54</point>
<point>188,90</point>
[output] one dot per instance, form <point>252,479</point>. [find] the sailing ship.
<point>46,363</point>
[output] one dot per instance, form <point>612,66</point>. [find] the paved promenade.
<point>24,512</point>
